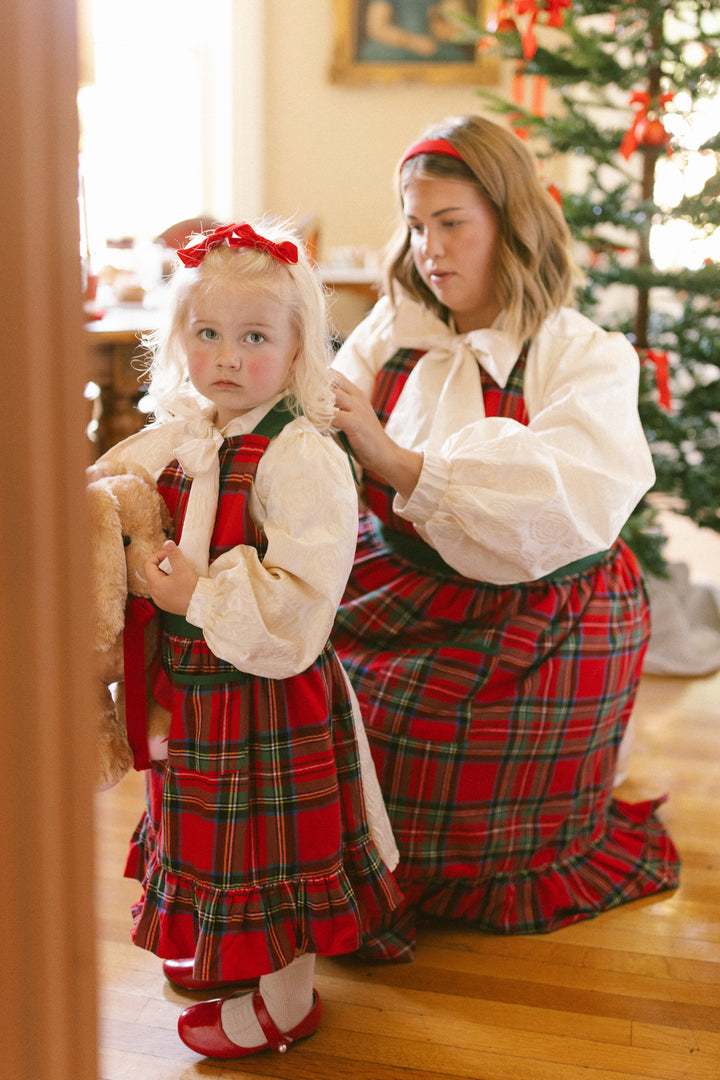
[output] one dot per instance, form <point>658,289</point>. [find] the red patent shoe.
<point>180,973</point>
<point>201,1029</point>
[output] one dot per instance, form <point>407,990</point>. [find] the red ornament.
<point>643,122</point>
<point>652,133</point>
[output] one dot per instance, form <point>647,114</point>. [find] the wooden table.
<point>116,355</point>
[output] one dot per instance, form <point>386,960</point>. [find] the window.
<point>678,243</point>
<point>156,142</point>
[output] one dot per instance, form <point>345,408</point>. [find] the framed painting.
<point>385,41</point>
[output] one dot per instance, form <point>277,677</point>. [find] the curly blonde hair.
<point>535,269</point>
<point>296,284</point>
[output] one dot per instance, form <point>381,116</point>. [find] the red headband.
<point>239,236</point>
<point>430,146</point>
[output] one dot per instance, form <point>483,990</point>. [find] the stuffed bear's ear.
<point>109,573</point>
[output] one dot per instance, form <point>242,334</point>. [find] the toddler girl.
<point>264,855</point>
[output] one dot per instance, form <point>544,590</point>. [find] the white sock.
<point>288,997</point>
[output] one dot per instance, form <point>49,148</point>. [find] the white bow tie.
<point>443,392</point>
<point>199,452</point>
<point>199,459</point>
<point>417,328</point>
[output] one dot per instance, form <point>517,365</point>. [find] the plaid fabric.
<point>389,383</point>
<point>261,846</point>
<point>237,471</point>
<point>494,716</point>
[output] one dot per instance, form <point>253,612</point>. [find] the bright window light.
<point>151,149</point>
<point>677,243</point>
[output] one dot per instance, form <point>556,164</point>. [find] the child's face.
<point>240,347</point>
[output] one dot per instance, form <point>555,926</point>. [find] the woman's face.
<point>453,239</point>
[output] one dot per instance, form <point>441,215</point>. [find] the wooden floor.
<point>631,995</point>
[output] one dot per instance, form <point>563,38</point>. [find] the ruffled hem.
<point>143,842</point>
<point>634,858</point>
<point>251,931</point>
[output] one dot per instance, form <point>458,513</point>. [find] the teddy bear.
<point>129,522</point>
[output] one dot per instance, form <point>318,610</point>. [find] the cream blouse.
<point>500,501</point>
<point>269,618</point>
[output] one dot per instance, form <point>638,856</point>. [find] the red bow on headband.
<point>239,236</point>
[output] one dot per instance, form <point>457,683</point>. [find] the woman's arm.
<point>369,443</point>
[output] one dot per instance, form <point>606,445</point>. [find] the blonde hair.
<point>534,265</point>
<point>296,284</point>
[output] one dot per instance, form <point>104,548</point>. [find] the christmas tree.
<point>633,108</point>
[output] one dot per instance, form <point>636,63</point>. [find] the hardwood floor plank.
<point>595,936</point>
<point>401,1003</point>
<point>567,981</point>
<point>133,1065</point>
<point>482,1053</point>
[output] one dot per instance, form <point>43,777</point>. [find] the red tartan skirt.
<point>494,715</point>
<point>255,845</point>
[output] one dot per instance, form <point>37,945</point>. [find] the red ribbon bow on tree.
<point>501,19</point>
<point>662,374</point>
<point>633,137</point>
<point>554,10</point>
<point>240,236</point>
<point>527,38</point>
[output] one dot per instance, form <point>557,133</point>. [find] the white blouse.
<point>269,618</point>
<point>500,501</point>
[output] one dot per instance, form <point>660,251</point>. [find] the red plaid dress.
<point>260,846</point>
<point>494,715</point>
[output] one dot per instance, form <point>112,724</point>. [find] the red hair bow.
<point>239,236</point>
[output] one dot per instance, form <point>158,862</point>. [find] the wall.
<point>332,149</point>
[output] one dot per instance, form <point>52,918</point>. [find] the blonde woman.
<point>494,624</point>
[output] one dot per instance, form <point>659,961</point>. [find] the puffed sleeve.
<point>152,447</point>
<point>272,617</point>
<point>503,502</point>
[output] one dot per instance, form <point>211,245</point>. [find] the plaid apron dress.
<point>494,715</point>
<point>255,845</point>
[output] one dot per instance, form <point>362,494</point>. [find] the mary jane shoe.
<point>200,1028</point>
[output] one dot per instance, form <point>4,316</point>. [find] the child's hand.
<point>171,591</point>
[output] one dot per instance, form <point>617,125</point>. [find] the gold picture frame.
<point>357,60</point>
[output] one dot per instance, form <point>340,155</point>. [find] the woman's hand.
<point>171,591</point>
<point>369,444</point>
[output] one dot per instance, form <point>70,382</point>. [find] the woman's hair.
<point>296,284</point>
<point>534,265</point>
